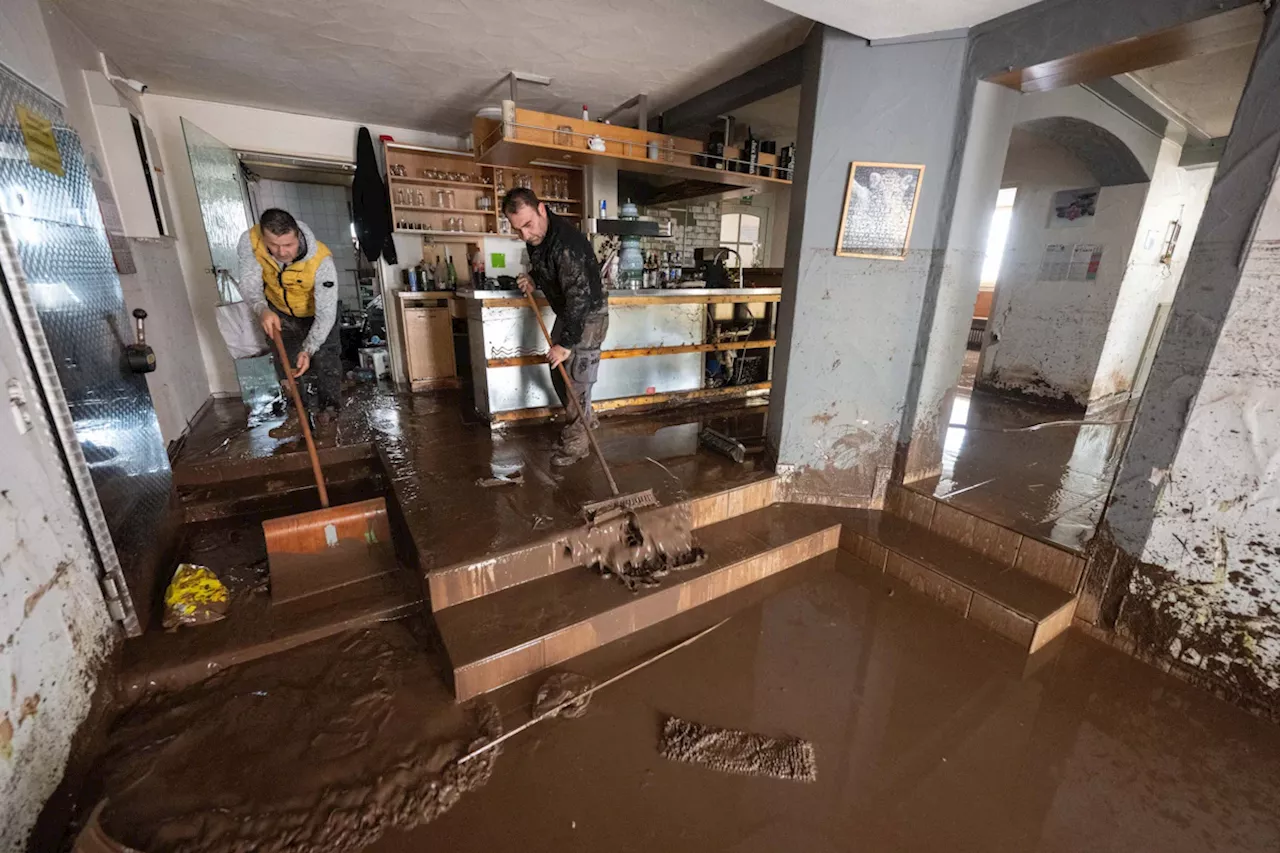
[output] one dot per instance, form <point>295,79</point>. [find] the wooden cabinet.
<point>428,342</point>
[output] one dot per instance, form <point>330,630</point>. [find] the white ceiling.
<point>885,19</point>
<point>1204,89</point>
<point>431,64</point>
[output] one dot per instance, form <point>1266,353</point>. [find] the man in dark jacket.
<point>563,265</point>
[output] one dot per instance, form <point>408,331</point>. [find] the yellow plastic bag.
<point>195,597</point>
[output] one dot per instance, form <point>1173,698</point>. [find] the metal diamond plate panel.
<point>59,273</point>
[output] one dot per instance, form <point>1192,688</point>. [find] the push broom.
<point>619,503</point>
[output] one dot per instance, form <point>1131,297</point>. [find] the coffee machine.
<point>710,261</point>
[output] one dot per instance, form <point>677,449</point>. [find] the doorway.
<point>1102,189</point>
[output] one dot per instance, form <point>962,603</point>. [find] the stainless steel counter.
<point>655,348</point>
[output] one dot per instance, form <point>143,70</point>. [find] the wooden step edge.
<point>469,579</point>
<point>477,677</point>
<point>1025,630</point>
<point>1050,563</point>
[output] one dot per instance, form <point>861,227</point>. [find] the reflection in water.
<point>1049,482</point>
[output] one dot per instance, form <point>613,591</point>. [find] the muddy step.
<point>1016,605</point>
<point>472,579</point>
<point>499,638</point>
<point>1046,561</point>
<point>281,493</point>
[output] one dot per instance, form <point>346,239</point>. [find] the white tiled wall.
<point>327,209</point>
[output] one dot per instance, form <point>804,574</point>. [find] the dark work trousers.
<point>582,366</point>
<point>321,386</point>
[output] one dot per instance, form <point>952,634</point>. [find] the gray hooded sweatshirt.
<point>326,292</point>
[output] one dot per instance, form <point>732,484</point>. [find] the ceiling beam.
<point>778,74</point>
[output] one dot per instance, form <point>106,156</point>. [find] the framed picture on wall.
<point>1074,208</point>
<point>879,210</point>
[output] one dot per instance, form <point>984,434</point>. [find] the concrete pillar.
<point>848,327</point>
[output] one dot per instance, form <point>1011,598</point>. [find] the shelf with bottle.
<point>444,236</point>
<point>459,211</point>
<point>466,185</point>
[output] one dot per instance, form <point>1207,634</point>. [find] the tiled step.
<point>506,635</point>
<point>1050,563</point>
<point>452,585</point>
<point>1016,605</point>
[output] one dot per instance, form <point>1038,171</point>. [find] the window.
<point>743,232</point>
<point>996,237</point>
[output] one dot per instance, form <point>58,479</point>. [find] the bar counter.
<point>654,353</point>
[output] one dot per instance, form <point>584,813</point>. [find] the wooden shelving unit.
<point>413,194</point>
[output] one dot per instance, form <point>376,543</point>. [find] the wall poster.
<point>879,210</point>
<point>1073,208</point>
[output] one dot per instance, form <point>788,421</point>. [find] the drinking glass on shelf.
<point>449,199</point>
<point>422,198</point>
<point>400,196</point>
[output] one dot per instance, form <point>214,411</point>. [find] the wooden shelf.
<point>459,212</point>
<point>537,136</point>
<point>640,352</point>
<point>434,182</point>
<point>446,236</point>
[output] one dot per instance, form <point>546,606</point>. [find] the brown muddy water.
<point>929,735</point>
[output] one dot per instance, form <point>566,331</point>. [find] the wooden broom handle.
<point>302,417</point>
<point>564,375</point>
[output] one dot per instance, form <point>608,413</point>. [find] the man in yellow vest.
<point>288,277</point>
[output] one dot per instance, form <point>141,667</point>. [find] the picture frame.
<point>879,212</point>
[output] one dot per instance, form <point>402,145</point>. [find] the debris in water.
<point>732,751</point>
<point>195,597</point>
<point>555,698</point>
<point>514,479</point>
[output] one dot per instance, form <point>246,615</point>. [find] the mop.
<point>743,753</point>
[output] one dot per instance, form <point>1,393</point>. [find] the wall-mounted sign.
<point>42,147</point>
<point>879,210</point>
<point>1073,208</point>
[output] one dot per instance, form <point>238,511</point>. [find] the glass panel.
<point>729,227</point>
<point>750,232</point>
<point>224,199</point>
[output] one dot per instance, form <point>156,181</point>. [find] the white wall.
<point>242,128</point>
<point>1174,194</point>
<point>179,386</point>
<point>1045,337</point>
<point>1215,531</point>
<point>25,46</point>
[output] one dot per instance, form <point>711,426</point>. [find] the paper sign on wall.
<point>1085,259</point>
<point>42,147</point>
<point>1057,258</point>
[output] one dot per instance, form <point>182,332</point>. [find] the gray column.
<point>849,326</point>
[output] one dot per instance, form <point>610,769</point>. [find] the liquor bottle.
<point>442,273</point>
<point>453,274</point>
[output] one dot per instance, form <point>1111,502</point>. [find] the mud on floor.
<point>321,749</point>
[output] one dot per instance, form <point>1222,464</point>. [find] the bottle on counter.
<point>442,273</point>
<point>427,275</point>
<point>585,115</point>
<point>453,274</point>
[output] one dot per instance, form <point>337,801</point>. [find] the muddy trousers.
<point>582,366</point>
<point>321,386</point>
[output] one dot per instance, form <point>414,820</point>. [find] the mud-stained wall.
<point>1175,194</point>
<point>56,632</point>
<point>1208,591</point>
<point>847,338</point>
<point>1045,336</point>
